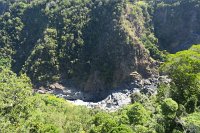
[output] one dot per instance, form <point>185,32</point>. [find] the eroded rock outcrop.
<point>177,24</point>
<point>125,52</point>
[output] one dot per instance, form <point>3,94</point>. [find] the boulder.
<point>56,86</point>
<point>147,82</point>
<point>41,92</point>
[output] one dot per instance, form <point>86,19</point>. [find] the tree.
<point>183,68</point>
<point>138,114</point>
<point>192,122</point>
<point>121,129</point>
<point>42,65</point>
<point>13,94</point>
<point>169,108</point>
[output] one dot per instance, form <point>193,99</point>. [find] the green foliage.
<point>192,122</point>
<point>141,11</point>
<point>169,108</point>
<point>101,118</point>
<point>121,129</point>
<point>138,114</point>
<point>103,123</point>
<point>13,94</point>
<point>191,104</point>
<point>51,113</point>
<point>183,69</point>
<point>5,62</point>
<point>149,42</point>
<point>44,57</point>
<point>143,129</point>
<point>76,39</point>
<point>89,38</point>
<point>21,111</point>
<point>108,125</point>
<point>163,92</point>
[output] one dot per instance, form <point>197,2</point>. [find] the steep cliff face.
<point>121,48</point>
<point>3,6</point>
<point>177,24</point>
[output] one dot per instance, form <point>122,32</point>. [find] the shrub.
<point>138,114</point>
<point>169,108</point>
<point>121,129</point>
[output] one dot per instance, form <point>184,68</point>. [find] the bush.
<point>169,108</point>
<point>121,129</point>
<point>138,114</point>
<point>108,125</point>
<point>183,68</point>
<point>192,122</point>
<point>143,129</point>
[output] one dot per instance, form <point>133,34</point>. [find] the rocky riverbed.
<point>109,99</point>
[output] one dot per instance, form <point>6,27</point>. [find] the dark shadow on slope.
<point>35,22</point>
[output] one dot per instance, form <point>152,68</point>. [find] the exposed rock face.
<point>177,24</point>
<point>135,59</point>
<point>3,7</point>
<point>94,83</point>
<point>125,52</point>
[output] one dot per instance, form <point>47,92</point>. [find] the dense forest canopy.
<point>98,44</point>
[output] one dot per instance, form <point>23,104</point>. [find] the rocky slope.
<point>110,99</point>
<point>177,24</point>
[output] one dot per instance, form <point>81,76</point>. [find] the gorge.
<point>133,63</point>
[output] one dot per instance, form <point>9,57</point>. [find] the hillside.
<point>97,47</point>
<point>133,64</point>
<point>95,44</point>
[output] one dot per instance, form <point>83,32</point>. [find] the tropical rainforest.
<point>97,44</point>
